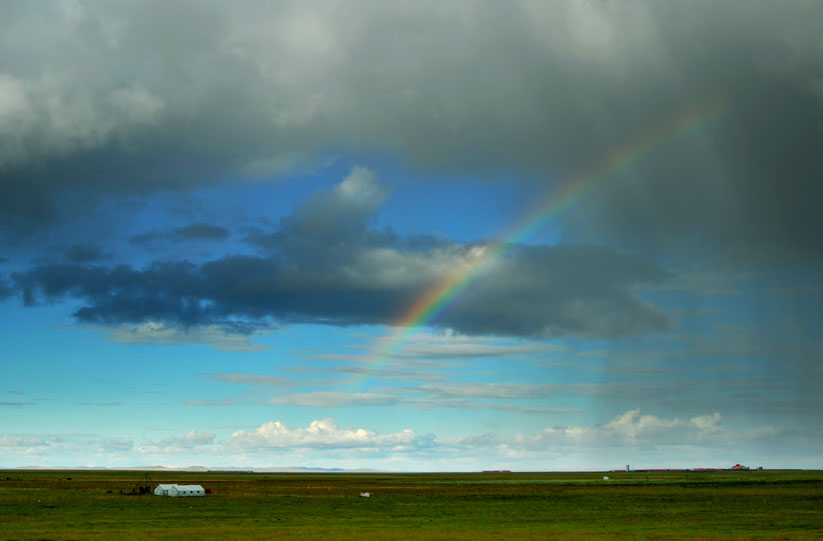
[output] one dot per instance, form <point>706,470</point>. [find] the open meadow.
<point>37,504</point>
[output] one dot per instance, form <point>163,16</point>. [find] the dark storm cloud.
<point>192,232</point>
<point>120,97</point>
<point>84,253</point>
<point>325,267</point>
<point>6,289</point>
<point>540,292</point>
<point>201,231</point>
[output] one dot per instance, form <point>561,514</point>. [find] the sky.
<point>411,236</point>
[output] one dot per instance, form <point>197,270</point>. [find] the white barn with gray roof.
<point>179,491</point>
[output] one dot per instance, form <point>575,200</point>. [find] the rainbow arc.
<point>453,285</point>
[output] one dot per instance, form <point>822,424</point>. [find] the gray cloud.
<point>353,400</point>
<point>253,379</point>
<point>325,265</point>
<point>201,231</point>
<point>83,253</point>
<point>20,441</point>
<point>113,445</point>
<point>6,289</point>
<point>336,400</point>
<point>101,90</point>
<point>193,232</point>
<point>631,428</point>
<point>190,439</point>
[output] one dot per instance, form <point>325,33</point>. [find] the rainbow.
<point>686,123</point>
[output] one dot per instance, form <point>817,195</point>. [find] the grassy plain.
<point>660,505</point>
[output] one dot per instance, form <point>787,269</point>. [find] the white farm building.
<point>162,490</point>
<point>179,491</point>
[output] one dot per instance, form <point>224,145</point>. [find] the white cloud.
<point>15,112</point>
<point>335,400</point>
<point>253,379</point>
<point>191,439</point>
<point>218,402</point>
<point>765,432</point>
<point>629,429</point>
<point>634,427</point>
<point>426,348</point>
<point>176,444</point>
<point>418,374</point>
<point>115,445</point>
<point>13,100</point>
<point>409,397</point>
<point>320,433</point>
<point>706,422</point>
<point>451,345</point>
<point>49,116</point>
<point>490,390</point>
<point>20,441</point>
<point>153,332</point>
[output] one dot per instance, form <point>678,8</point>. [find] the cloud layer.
<point>103,99</point>
<point>641,439</point>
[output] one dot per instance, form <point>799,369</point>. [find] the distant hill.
<point>285,469</point>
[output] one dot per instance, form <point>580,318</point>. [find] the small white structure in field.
<point>162,490</point>
<point>183,491</point>
<point>605,477</point>
<point>364,494</point>
<point>179,491</point>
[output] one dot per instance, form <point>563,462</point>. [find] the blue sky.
<point>214,219</point>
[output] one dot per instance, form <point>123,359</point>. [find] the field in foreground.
<point>660,505</point>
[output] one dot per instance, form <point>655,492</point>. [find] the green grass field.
<point>659,505</point>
